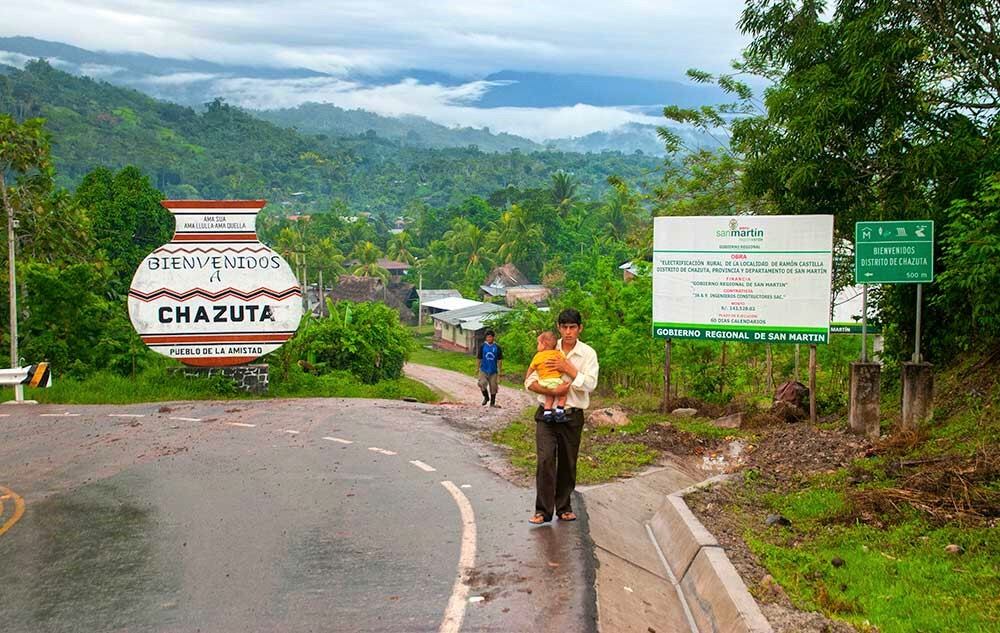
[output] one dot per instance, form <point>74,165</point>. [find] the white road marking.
<point>126,415</point>
<point>60,415</point>
<point>476,599</point>
<point>466,485</point>
<point>4,415</point>
<point>455,612</point>
<point>187,419</point>
<point>337,439</point>
<point>422,466</point>
<point>243,424</point>
<point>289,431</point>
<point>380,450</point>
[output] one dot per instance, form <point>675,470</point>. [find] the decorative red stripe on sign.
<point>215,237</point>
<point>208,339</point>
<point>212,249</point>
<point>201,293</point>
<point>214,204</point>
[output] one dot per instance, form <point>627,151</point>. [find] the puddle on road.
<point>84,561</point>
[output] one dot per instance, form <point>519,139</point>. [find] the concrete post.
<point>918,395</point>
<point>863,409</point>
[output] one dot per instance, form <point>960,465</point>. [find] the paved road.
<point>295,515</point>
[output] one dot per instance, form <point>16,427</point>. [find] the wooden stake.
<point>770,371</point>
<point>812,384</point>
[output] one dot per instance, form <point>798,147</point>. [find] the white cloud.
<point>98,71</point>
<point>447,105</point>
<point>16,60</point>
<point>178,79</point>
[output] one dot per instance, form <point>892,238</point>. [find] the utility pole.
<point>12,285</point>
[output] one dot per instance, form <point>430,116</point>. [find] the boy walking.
<point>490,365</point>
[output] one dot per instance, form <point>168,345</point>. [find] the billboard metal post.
<point>864,323</point>
<point>916,341</point>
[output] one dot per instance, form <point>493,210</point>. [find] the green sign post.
<point>894,252</point>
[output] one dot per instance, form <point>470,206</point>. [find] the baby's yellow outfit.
<point>548,378</point>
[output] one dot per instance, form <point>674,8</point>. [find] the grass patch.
<point>152,385</point>
<point>425,354</point>
<point>598,461</point>
<point>900,579</point>
<point>157,384</point>
<point>703,428</point>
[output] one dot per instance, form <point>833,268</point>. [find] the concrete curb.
<point>716,595</point>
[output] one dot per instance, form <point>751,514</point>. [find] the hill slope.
<point>225,152</point>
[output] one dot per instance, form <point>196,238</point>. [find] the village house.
<point>508,284</point>
<point>463,330</point>
<point>362,289</point>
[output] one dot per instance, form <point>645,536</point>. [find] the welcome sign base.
<point>249,378</point>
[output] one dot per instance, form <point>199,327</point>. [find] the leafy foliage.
<point>365,339</point>
<point>72,324</point>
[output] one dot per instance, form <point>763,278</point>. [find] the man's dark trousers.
<point>557,445</point>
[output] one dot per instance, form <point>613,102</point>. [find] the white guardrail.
<point>37,375</point>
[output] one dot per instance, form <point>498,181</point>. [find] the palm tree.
<point>515,238</point>
<point>563,190</point>
<point>367,255</point>
<point>621,211</point>
<point>398,248</point>
<point>326,257</point>
<point>467,243</point>
<point>290,245</point>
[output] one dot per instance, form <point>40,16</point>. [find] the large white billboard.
<point>757,279</point>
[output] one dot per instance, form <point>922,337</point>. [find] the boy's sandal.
<point>567,516</point>
<point>538,518</point>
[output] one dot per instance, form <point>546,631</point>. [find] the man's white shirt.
<point>584,358</point>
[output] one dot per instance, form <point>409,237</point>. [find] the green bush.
<point>72,324</point>
<point>365,339</point>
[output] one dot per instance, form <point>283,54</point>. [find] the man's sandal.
<point>538,518</point>
<point>567,516</point>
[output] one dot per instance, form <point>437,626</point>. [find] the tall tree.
<point>366,256</point>
<point>879,109</point>
<point>128,220</point>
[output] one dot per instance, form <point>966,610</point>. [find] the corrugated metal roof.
<point>434,294</point>
<point>457,317</point>
<point>450,303</point>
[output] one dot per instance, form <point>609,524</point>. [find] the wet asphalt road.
<point>260,516</point>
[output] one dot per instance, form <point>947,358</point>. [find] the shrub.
<point>365,339</point>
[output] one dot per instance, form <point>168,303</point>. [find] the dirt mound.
<point>803,448</point>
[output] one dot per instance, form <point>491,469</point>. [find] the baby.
<point>549,378</point>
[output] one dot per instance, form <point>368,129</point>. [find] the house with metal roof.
<point>462,330</point>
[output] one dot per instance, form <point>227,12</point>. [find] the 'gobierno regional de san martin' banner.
<point>763,279</point>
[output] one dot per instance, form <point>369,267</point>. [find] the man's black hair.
<point>490,333</point>
<point>569,316</point>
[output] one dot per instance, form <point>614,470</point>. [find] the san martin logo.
<point>735,230</point>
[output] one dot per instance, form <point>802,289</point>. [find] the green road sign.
<point>898,252</point>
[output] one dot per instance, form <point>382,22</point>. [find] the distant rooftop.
<point>450,303</point>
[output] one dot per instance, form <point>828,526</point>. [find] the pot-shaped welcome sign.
<point>214,295</point>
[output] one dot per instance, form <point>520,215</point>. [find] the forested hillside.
<point>225,152</point>
<point>326,118</point>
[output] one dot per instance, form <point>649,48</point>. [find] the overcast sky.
<point>647,38</point>
<point>655,39</point>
